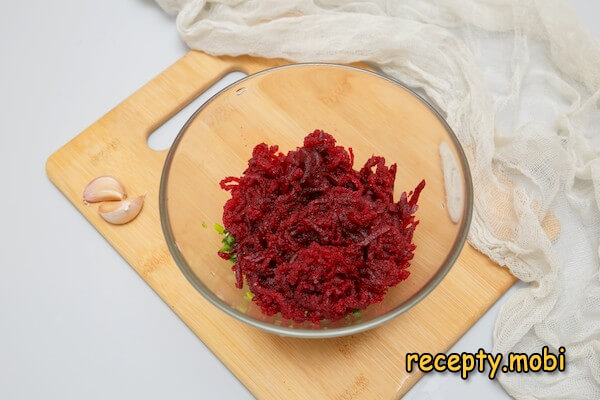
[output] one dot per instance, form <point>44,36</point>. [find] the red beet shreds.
<point>314,238</point>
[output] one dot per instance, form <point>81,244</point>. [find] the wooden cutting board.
<point>369,365</point>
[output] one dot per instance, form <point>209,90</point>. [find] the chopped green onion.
<point>356,313</point>
<point>233,258</point>
<point>249,295</point>
<point>228,240</point>
<point>226,248</point>
<point>220,229</point>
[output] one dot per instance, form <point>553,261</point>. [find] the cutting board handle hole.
<point>162,138</point>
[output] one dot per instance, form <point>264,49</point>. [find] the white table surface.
<point>76,322</point>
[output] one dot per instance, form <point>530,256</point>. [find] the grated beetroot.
<point>314,238</point>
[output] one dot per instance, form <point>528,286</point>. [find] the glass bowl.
<point>372,114</point>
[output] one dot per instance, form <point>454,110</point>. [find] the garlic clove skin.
<point>104,188</point>
<point>121,212</point>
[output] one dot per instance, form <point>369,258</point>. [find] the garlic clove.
<point>104,188</point>
<point>121,212</point>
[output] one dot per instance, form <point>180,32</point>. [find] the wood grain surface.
<point>369,365</point>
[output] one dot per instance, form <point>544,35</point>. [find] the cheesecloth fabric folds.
<point>519,82</point>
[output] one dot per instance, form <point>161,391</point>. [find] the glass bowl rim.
<point>318,333</point>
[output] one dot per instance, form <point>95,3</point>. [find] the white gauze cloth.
<point>519,82</point>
